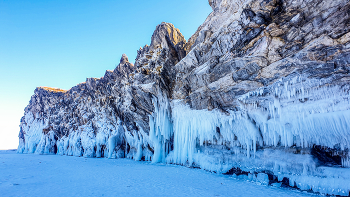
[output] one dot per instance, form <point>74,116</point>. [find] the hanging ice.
<point>161,129</point>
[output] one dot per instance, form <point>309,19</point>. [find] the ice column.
<point>161,128</point>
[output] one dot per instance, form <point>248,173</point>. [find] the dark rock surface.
<point>262,87</point>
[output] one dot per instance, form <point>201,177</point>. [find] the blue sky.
<point>61,43</point>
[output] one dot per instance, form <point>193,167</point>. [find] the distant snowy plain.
<point>52,175</point>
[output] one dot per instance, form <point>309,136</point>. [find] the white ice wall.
<point>33,133</point>
<point>161,128</point>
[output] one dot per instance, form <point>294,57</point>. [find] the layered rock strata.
<point>261,91</point>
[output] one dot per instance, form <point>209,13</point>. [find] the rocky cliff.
<point>260,91</point>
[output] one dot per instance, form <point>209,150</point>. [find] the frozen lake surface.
<point>52,175</point>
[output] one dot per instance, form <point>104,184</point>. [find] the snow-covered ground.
<point>52,175</point>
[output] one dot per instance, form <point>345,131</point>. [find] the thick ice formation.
<point>161,128</point>
<point>34,134</point>
<point>303,116</point>
<point>322,118</point>
<point>295,116</point>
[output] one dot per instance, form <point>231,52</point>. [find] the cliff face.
<point>106,117</point>
<point>261,90</point>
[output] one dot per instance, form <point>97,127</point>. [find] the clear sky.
<point>61,43</point>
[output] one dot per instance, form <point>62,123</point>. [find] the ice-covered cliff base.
<point>300,139</point>
<point>295,135</point>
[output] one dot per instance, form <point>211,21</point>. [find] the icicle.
<point>161,128</point>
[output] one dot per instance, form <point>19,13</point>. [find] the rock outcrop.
<point>261,91</point>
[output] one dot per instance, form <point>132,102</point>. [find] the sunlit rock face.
<point>260,91</point>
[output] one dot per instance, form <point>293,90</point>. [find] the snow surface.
<point>53,175</point>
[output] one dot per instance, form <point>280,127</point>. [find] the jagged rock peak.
<point>166,34</point>
<point>124,67</point>
<point>124,59</point>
